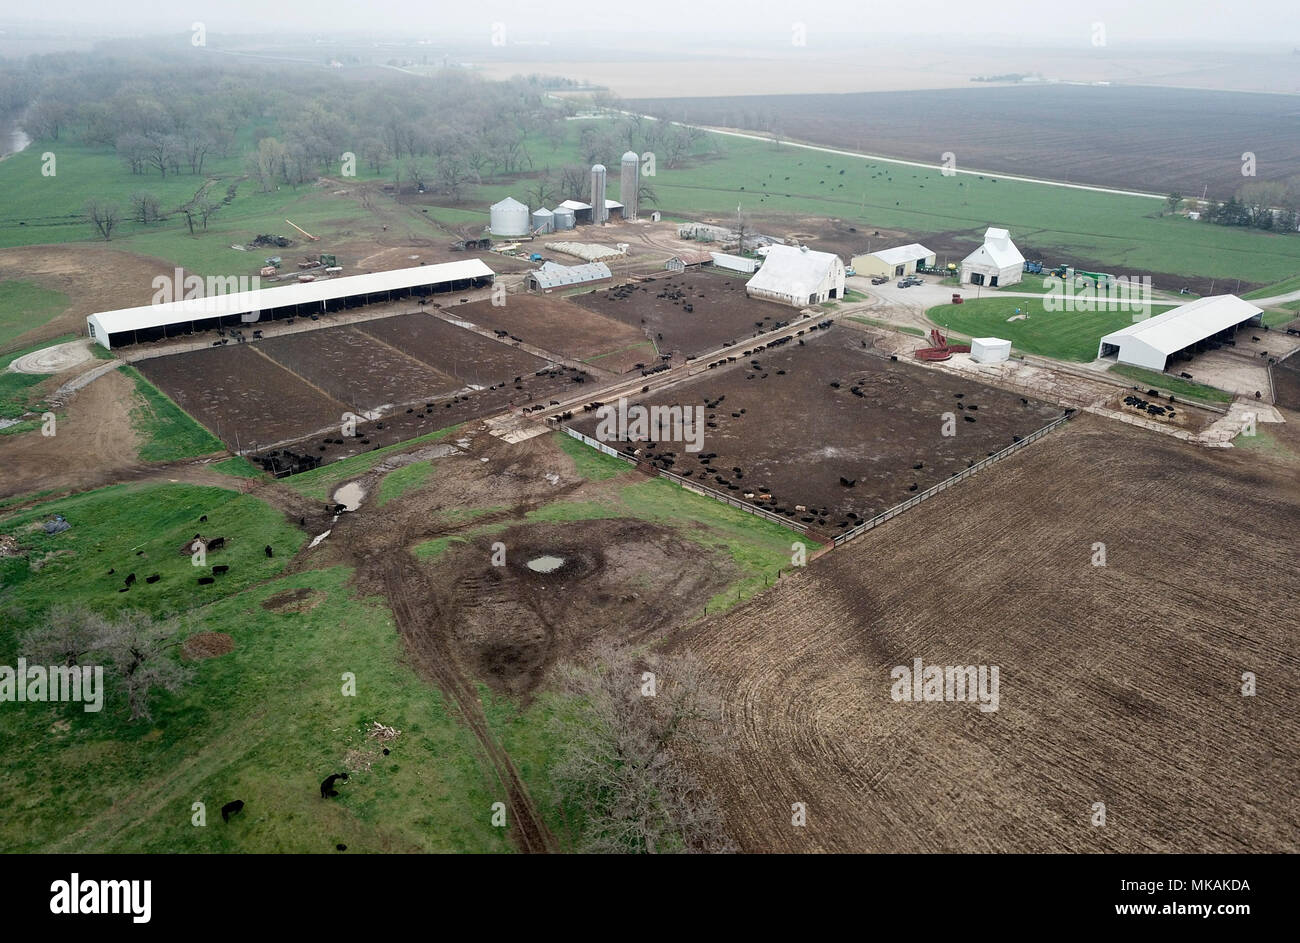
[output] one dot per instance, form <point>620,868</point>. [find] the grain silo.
<point>630,182</point>
<point>543,221</point>
<point>563,218</point>
<point>509,218</point>
<point>598,214</point>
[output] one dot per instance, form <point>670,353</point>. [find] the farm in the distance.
<point>840,430</point>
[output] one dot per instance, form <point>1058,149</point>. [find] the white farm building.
<point>552,275</point>
<point>997,263</point>
<point>795,275</point>
<point>1150,343</point>
<point>155,322</point>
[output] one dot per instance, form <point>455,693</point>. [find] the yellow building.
<point>893,263</point>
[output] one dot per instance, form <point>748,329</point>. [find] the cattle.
<point>205,580</point>
<point>269,551</point>
<point>152,579</point>
<point>231,808</point>
<point>1185,376</point>
<point>1023,401</point>
<point>216,543</point>
<point>220,569</point>
<point>130,579</point>
<point>203,519</point>
<point>912,487</point>
<point>918,466</point>
<point>1257,394</point>
<point>848,482</point>
<point>969,418</point>
<point>327,790</point>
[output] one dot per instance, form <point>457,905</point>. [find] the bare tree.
<point>144,207</point>
<point>104,216</point>
<point>135,647</point>
<point>542,190</point>
<point>619,768</point>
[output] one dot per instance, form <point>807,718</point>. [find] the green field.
<point>1061,335</point>
<point>265,723</point>
<point>168,433</point>
<point>25,306</point>
<point>1069,225</point>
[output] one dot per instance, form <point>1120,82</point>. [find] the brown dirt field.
<point>1118,684</point>
<point>244,391</point>
<point>241,395</point>
<point>94,277</point>
<point>621,579</point>
<point>1147,143</point>
<point>723,312</point>
<point>798,436</point>
<point>469,357</point>
<point>1286,382</point>
<point>355,367</point>
<point>564,328</point>
<point>94,443</point>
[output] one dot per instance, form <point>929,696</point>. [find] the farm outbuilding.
<point>509,218</point>
<point>895,262</point>
<point>997,263</point>
<point>126,326</point>
<point>734,263</point>
<point>798,276</point>
<point>990,349</point>
<point>1150,343</point>
<point>552,275</point>
<point>579,212</point>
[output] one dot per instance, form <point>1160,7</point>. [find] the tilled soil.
<point>1119,684</point>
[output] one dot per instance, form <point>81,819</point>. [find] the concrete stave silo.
<point>598,213</point>
<point>630,184</point>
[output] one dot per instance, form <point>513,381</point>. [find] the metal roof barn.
<point>900,260</point>
<point>796,275</point>
<point>734,263</point>
<point>553,275</point>
<point>155,322</point>
<point>1151,342</point>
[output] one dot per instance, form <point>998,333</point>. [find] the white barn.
<point>795,275</point>
<point>997,263</point>
<point>194,315</point>
<point>1150,343</point>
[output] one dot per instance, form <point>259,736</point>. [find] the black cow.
<point>327,790</point>
<point>231,808</point>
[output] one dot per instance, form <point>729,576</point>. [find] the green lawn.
<point>25,306</point>
<point>590,463</point>
<point>1184,389</point>
<point>401,480</point>
<point>1058,334</point>
<point>1284,287</point>
<point>265,723</point>
<point>168,432</point>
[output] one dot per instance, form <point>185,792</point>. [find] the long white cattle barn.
<point>193,315</point>
<point>1150,343</point>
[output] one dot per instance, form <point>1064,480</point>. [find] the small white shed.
<point>989,349</point>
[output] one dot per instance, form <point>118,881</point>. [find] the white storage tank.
<point>989,349</point>
<point>510,218</point>
<point>543,221</point>
<point>563,218</point>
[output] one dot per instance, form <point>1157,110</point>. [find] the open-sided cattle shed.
<point>176,318</point>
<point>1151,342</point>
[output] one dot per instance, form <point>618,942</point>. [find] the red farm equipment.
<point>940,349</point>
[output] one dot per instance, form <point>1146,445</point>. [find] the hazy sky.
<point>1205,23</point>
